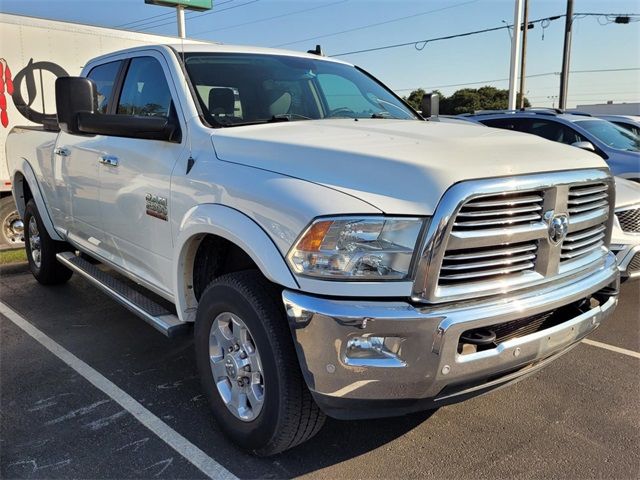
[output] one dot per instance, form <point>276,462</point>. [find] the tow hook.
<point>479,336</point>
<point>476,340</point>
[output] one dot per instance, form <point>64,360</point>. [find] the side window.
<point>554,131</point>
<point>145,91</point>
<point>104,77</point>
<point>505,123</point>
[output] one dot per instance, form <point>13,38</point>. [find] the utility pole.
<point>515,54</point>
<point>566,57</point>
<point>523,60</point>
<point>182,29</point>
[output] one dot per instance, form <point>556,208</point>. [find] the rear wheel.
<point>248,365</point>
<point>42,249</point>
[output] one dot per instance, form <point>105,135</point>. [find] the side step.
<point>154,314</point>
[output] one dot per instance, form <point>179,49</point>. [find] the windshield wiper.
<point>289,116</point>
<point>282,117</point>
<point>273,119</point>
<point>382,115</point>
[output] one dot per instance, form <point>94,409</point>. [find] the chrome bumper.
<point>427,370</point>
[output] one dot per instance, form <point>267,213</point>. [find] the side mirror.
<point>74,95</point>
<point>430,105</point>
<point>585,146</point>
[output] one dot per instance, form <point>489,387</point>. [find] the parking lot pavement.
<point>578,418</point>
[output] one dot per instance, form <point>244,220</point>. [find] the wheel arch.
<point>216,221</point>
<point>25,187</point>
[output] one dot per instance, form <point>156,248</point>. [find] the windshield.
<point>240,89</point>
<point>612,135</point>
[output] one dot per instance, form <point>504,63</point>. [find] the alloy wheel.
<point>236,366</point>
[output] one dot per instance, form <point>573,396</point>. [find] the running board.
<point>151,312</point>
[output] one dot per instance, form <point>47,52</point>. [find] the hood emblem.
<point>558,226</point>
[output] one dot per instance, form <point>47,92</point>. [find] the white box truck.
<point>33,53</point>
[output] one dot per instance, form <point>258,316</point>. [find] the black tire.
<point>9,235</point>
<point>46,269</point>
<point>289,416</point>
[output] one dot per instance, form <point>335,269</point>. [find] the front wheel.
<point>248,365</point>
<point>42,249</point>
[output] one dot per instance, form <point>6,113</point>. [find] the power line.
<point>271,18</point>
<point>362,27</point>
<point>145,21</point>
<point>421,44</point>
<point>585,94</point>
<point>205,14</point>
<point>528,76</point>
<point>155,23</point>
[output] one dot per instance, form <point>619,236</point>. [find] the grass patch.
<point>13,256</point>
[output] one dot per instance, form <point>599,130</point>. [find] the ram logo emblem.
<point>157,207</point>
<point>558,227</point>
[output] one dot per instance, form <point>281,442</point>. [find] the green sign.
<point>198,5</point>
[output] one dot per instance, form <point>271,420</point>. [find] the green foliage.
<point>12,256</point>
<point>415,98</point>
<point>467,100</point>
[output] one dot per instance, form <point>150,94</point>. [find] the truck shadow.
<point>340,440</point>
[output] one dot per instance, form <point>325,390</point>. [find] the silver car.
<point>617,146</point>
<point>628,122</point>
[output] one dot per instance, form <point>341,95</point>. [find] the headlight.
<point>357,248</point>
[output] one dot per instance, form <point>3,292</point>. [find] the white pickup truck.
<point>338,254</point>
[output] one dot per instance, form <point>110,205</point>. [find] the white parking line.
<point>184,447</point>
<point>612,348</point>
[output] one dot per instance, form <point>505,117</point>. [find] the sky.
<point>342,26</point>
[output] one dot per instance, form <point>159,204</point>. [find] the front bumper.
<point>428,369</point>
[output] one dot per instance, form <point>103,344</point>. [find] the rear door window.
<point>104,76</point>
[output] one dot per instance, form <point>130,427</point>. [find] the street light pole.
<point>566,57</point>
<point>523,60</point>
<point>181,23</point>
<point>515,54</point>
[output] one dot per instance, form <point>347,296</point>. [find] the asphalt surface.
<point>578,418</point>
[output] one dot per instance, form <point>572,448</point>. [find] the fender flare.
<point>234,226</point>
<point>26,172</point>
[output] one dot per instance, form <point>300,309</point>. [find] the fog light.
<point>374,352</point>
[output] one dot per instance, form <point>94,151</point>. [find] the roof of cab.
<point>191,46</point>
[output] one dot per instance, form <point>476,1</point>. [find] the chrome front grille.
<point>583,242</point>
<point>587,198</point>
<point>499,211</point>
<point>461,266</point>
<point>498,235</point>
<point>629,220</point>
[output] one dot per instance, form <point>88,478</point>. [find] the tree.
<point>467,100</point>
<point>415,98</point>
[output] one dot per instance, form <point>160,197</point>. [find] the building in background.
<point>610,108</point>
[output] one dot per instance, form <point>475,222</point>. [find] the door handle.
<point>62,151</point>
<point>110,160</point>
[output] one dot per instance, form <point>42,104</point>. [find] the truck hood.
<point>398,166</point>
